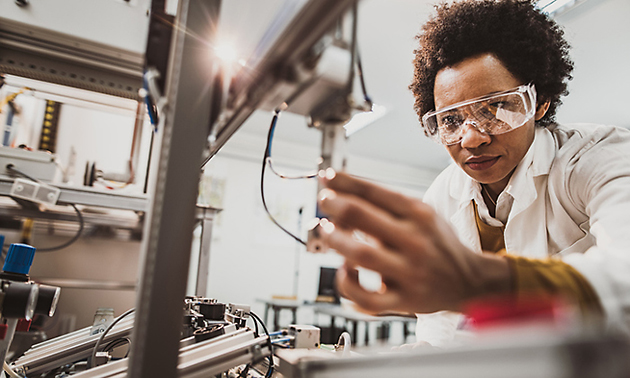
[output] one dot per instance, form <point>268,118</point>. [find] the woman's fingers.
<point>397,205</point>
<point>393,202</point>
<point>369,301</point>
<point>348,211</point>
<point>351,212</point>
<point>421,260</point>
<point>374,257</point>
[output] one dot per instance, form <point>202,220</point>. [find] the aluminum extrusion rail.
<point>307,27</point>
<point>89,197</point>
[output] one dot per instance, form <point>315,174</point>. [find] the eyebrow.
<point>474,99</point>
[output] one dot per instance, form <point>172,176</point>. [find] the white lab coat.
<point>569,197</point>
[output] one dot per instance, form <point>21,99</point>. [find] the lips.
<point>482,162</point>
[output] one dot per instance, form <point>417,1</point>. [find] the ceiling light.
<point>555,7</point>
<point>360,120</point>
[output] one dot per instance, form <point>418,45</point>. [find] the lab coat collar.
<point>521,185</point>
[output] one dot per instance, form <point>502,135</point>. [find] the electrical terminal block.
<point>304,336</point>
<point>35,192</point>
<point>237,314</point>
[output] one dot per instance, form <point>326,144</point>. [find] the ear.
<point>541,109</point>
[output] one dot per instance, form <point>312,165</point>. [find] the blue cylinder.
<point>19,258</point>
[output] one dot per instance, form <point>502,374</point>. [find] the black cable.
<point>255,327</point>
<point>366,97</point>
<point>353,46</point>
<point>270,370</point>
<point>73,239</point>
<point>244,371</point>
<point>146,176</point>
<point>267,154</point>
<point>76,237</point>
<point>11,167</point>
<point>100,339</point>
<point>287,177</point>
<point>356,57</point>
<point>118,343</point>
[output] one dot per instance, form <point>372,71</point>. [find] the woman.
<point>547,204</point>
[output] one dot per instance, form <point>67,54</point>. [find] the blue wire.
<point>286,339</point>
<point>147,100</point>
<point>272,130</point>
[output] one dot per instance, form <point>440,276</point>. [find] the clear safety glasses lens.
<point>493,114</point>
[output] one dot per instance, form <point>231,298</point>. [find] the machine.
<point>21,298</point>
<point>214,339</point>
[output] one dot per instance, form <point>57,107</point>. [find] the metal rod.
<point>203,267</point>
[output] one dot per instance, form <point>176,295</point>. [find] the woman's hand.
<point>423,265</point>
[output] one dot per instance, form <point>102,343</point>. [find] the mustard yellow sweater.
<point>548,276</point>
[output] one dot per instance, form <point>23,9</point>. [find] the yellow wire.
<point>12,97</point>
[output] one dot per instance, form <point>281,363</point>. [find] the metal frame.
<point>13,210</point>
<point>36,53</point>
<point>312,22</point>
<point>167,235</point>
<point>89,197</point>
<point>201,360</point>
<point>66,349</point>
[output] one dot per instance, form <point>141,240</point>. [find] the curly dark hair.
<point>529,43</point>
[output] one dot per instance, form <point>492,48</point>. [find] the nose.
<point>473,136</point>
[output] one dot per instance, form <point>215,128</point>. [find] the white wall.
<point>599,33</point>
<point>251,258</point>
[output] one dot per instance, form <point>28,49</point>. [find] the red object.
<point>3,331</point>
<point>23,325</point>
<point>509,310</point>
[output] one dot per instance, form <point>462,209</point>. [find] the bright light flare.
<point>226,52</point>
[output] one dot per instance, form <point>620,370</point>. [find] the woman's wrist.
<point>494,276</point>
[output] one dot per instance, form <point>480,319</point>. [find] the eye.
<point>498,104</point>
<point>450,121</point>
<point>511,103</point>
<point>488,110</point>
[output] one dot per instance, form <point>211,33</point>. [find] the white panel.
<point>118,23</point>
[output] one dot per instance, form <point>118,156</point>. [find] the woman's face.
<point>488,159</point>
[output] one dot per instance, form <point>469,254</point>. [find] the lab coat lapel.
<point>463,220</point>
<point>527,223</point>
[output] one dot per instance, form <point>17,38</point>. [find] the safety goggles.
<point>493,114</point>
